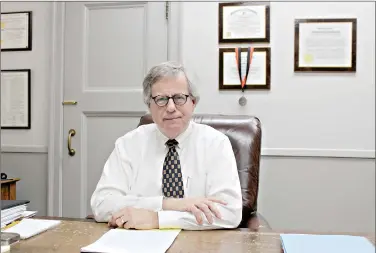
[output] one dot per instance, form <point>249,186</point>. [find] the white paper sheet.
<point>28,214</point>
<point>14,30</point>
<point>244,22</point>
<point>14,99</point>
<point>132,241</point>
<point>30,227</point>
<point>257,70</point>
<point>305,243</point>
<point>325,45</point>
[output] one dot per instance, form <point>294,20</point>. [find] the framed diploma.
<point>325,45</point>
<point>16,32</point>
<point>244,68</point>
<point>243,22</point>
<point>15,99</point>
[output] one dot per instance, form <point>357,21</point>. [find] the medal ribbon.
<point>238,61</point>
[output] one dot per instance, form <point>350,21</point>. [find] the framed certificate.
<point>15,99</point>
<point>258,75</point>
<point>243,22</point>
<point>325,45</point>
<point>16,34</point>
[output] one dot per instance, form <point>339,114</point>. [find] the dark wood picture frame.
<point>28,72</point>
<point>221,39</point>
<point>29,46</point>
<point>353,42</point>
<point>223,86</point>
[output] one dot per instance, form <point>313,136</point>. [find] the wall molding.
<point>24,149</point>
<point>55,143</point>
<point>174,48</point>
<point>306,152</point>
<point>285,152</point>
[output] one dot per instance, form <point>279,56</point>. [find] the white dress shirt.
<point>132,176</point>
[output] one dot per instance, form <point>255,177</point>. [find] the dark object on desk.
<point>3,176</point>
<point>9,238</point>
<point>6,204</point>
<point>245,134</point>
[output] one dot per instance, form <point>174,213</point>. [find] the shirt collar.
<point>180,138</point>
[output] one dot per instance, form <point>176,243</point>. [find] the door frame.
<point>56,135</point>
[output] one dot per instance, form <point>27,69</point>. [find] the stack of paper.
<point>133,241</point>
<point>27,228</point>
<point>305,243</point>
<point>12,210</point>
<point>28,214</point>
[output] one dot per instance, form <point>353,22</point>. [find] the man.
<point>174,173</point>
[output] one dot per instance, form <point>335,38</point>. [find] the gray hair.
<point>166,69</point>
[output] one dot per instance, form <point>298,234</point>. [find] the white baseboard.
<point>24,149</point>
<point>301,152</point>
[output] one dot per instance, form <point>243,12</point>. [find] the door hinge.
<point>167,9</point>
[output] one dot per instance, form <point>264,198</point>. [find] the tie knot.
<point>172,143</point>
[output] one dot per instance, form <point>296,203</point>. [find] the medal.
<point>242,99</point>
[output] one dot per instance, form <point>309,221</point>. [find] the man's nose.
<point>171,105</point>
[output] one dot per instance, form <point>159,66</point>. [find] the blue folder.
<point>307,243</point>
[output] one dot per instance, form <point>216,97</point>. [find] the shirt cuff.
<point>169,219</point>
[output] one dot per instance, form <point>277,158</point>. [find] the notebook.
<point>27,228</point>
<point>305,243</point>
<point>6,204</point>
<point>12,210</point>
<point>133,241</point>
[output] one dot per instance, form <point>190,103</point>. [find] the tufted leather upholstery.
<point>244,133</point>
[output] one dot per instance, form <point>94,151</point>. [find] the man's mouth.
<point>171,118</point>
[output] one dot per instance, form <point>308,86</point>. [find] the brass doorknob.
<point>71,133</point>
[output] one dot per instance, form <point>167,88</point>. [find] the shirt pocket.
<point>194,186</point>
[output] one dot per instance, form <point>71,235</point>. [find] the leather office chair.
<point>244,133</point>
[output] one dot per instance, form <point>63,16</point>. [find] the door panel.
<point>130,39</point>
<point>109,47</point>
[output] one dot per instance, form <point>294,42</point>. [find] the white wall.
<point>301,111</point>
<point>309,115</point>
<point>24,152</point>
<point>38,60</point>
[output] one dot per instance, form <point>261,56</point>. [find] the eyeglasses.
<point>179,99</point>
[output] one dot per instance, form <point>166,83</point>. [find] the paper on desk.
<point>28,214</point>
<point>304,243</point>
<point>27,228</point>
<point>5,248</point>
<point>133,241</point>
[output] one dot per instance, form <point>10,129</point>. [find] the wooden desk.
<point>8,189</point>
<point>72,234</point>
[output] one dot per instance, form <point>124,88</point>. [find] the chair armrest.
<point>258,223</point>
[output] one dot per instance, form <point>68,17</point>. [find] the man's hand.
<point>196,206</point>
<point>136,218</point>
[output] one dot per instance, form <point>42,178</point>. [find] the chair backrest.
<point>244,133</point>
